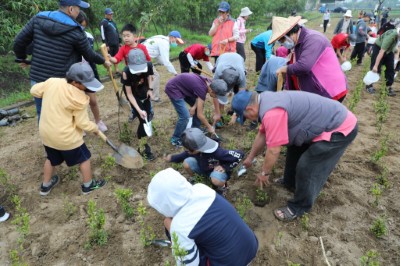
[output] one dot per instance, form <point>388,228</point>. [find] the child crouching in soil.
<point>204,157</point>
<point>137,86</point>
<point>63,119</point>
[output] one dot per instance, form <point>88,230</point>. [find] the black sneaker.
<point>147,154</point>
<point>391,92</point>
<point>96,184</point>
<point>46,190</point>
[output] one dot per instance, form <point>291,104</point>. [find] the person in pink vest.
<point>224,31</point>
<point>241,22</point>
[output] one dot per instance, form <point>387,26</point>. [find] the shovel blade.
<point>128,157</point>
<point>148,128</point>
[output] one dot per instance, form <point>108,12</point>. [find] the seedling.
<point>376,192</point>
<point>21,220</point>
<point>371,258</point>
<point>379,227</point>
<point>6,186</point>
<point>243,206</point>
<point>123,196</point>
<point>278,241</point>
<point>379,154</point>
<point>289,263</point>
<point>125,134</point>
<point>177,166</point>
<point>382,178</point>
<point>72,172</point>
<point>177,250</point>
<point>305,221</point>
<point>231,144</point>
<point>107,165</point>
<point>261,198</point>
<point>69,208</point>
<point>147,234</point>
<point>16,259</point>
<point>96,221</point>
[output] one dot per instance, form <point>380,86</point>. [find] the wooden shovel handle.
<point>102,136</point>
<point>104,52</point>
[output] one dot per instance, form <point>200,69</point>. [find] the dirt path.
<point>342,214</point>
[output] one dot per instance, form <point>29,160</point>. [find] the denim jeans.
<point>308,168</point>
<point>194,166</point>
<point>183,116</point>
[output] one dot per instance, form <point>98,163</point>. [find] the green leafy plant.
<point>16,259</point>
<point>69,208</point>
<point>379,154</point>
<point>305,221</point>
<point>243,206</point>
<point>289,263</point>
<point>7,187</point>
<point>108,164</point>
<point>261,195</point>
<point>21,220</point>
<point>371,258</point>
<point>376,191</point>
<point>146,230</point>
<point>123,196</point>
<point>125,134</point>
<point>177,250</point>
<point>177,166</point>
<point>379,227</point>
<point>382,178</point>
<point>96,221</point>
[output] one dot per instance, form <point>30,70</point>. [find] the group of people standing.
<point>296,103</point>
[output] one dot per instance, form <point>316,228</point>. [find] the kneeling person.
<point>63,119</point>
<point>204,157</point>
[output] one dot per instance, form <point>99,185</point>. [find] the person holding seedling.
<point>137,85</point>
<point>203,224</point>
<point>64,117</point>
<point>204,156</point>
<point>316,137</point>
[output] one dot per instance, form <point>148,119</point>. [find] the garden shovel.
<point>148,128</point>
<point>124,155</point>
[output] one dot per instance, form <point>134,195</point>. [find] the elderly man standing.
<point>110,35</point>
<point>316,131</point>
<point>345,25</point>
<point>58,42</point>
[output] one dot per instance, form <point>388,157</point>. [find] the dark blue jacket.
<point>58,42</point>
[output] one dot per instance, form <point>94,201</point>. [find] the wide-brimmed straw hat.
<point>281,26</point>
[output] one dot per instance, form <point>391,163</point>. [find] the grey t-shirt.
<point>231,60</point>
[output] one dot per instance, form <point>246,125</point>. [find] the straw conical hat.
<point>281,26</point>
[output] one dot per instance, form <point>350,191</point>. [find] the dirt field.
<point>342,215</point>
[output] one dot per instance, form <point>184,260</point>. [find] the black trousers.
<point>325,24</point>
<point>358,52</point>
<point>185,64</point>
<point>387,61</point>
<point>260,57</point>
<point>240,50</point>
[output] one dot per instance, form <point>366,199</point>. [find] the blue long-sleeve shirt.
<point>261,41</point>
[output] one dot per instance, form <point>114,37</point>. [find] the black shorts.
<point>113,50</point>
<point>71,157</point>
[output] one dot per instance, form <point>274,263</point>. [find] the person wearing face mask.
<point>383,54</point>
<point>341,43</point>
<point>58,42</point>
<point>345,25</point>
<point>158,47</point>
<point>313,66</point>
<point>189,58</point>
<point>224,31</point>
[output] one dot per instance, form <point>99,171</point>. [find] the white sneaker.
<point>102,127</point>
<point>4,217</point>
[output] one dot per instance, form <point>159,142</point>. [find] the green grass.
<point>15,97</point>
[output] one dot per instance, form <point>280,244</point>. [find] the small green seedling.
<point>69,208</point>
<point>72,173</point>
<point>107,166</point>
<point>379,227</point>
<point>278,240</point>
<point>147,234</point>
<point>123,196</point>
<point>289,263</point>
<point>125,135</point>
<point>305,221</point>
<point>371,258</point>
<point>376,192</point>
<point>177,250</point>
<point>96,221</point>
<point>243,206</point>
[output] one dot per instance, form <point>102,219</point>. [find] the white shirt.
<point>158,48</point>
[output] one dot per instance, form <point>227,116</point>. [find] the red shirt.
<point>124,51</point>
<point>197,52</point>
<point>339,41</point>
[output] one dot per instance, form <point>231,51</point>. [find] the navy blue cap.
<point>108,11</point>
<point>224,6</point>
<point>79,3</point>
<point>239,103</point>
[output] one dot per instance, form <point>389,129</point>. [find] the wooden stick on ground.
<point>323,251</point>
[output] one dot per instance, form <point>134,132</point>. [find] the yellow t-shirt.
<point>64,114</point>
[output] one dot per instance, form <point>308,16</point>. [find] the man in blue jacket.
<point>58,41</point>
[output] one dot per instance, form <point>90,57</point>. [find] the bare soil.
<point>342,214</point>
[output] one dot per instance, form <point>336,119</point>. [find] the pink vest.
<point>224,31</point>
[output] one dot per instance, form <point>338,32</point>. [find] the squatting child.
<point>64,117</point>
<point>205,157</point>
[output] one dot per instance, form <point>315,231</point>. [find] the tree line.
<point>162,15</point>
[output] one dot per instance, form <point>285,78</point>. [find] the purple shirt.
<point>187,85</point>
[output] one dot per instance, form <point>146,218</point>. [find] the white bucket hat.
<point>348,14</point>
<point>245,11</point>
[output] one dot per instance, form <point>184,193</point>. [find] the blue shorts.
<point>71,157</point>
<point>194,166</point>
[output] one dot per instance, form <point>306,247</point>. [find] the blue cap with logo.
<point>240,102</point>
<point>79,3</point>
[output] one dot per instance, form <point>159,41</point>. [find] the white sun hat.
<point>348,14</point>
<point>245,11</point>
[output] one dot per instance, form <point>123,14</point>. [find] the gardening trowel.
<point>148,128</point>
<point>124,155</point>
